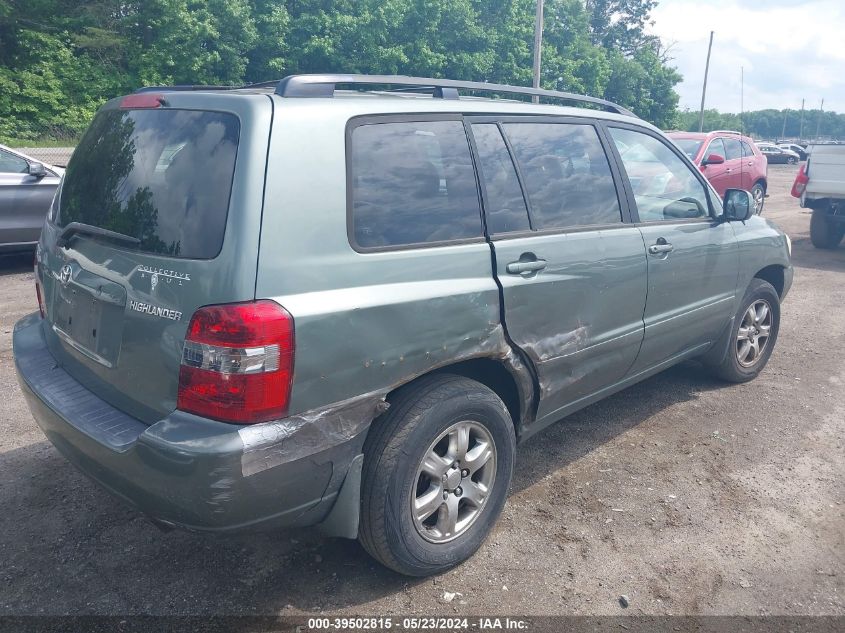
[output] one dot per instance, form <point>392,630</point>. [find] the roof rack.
<point>726,132</point>
<point>313,86</point>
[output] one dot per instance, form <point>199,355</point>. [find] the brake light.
<point>144,100</point>
<point>800,184</point>
<point>237,363</point>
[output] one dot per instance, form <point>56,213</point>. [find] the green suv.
<point>342,300</point>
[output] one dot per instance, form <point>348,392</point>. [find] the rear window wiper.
<point>79,228</point>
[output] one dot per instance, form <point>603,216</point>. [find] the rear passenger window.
<point>504,204</point>
<point>565,173</point>
<point>733,148</point>
<point>746,149</point>
<point>412,183</point>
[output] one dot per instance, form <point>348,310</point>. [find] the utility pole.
<point>704,87</point>
<point>801,128</point>
<point>819,120</point>
<point>538,46</point>
<point>783,129</point>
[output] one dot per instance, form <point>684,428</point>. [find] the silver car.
<point>27,187</point>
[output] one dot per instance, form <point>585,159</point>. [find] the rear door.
<point>24,200</point>
<point>182,184</point>
<point>692,257</point>
<point>573,273</point>
<point>735,167</point>
<point>752,167</point>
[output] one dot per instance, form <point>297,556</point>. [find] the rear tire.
<point>758,192</point>
<point>754,334</point>
<point>823,233</point>
<point>790,160</point>
<point>422,433</point>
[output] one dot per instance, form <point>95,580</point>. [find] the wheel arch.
<point>775,275</point>
<point>507,377</point>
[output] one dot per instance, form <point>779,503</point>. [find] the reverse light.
<point>237,363</point>
<point>800,184</point>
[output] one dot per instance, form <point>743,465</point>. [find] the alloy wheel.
<point>453,482</point>
<point>753,333</point>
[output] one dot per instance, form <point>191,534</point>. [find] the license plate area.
<point>90,321</point>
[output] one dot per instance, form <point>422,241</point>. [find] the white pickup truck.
<point>820,186</point>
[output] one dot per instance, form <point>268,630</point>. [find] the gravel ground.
<point>686,495</point>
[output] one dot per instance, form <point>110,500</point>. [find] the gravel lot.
<point>686,495</point>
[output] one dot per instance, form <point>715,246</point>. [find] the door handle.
<point>522,267</point>
<point>729,170</point>
<point>660,248</point>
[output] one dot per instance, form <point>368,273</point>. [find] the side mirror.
<point>714,159</point>
<point>738,205</point>
<point>37,169</point>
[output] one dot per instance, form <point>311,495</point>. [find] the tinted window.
<point>733,148</point>
<point>746,149</point>
<point>689,146</point>
<point>413,182</point>
<point>716,147</point>
<point>504,204</point>
<point>565,173</point>
<point>11,164</point>
<point>162,176</point>
<point>664,187</point>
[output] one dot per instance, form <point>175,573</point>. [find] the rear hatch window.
<point>162,177</point>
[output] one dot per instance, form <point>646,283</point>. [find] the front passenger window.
<point>665,188</point>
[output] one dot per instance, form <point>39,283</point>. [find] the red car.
<point>728,160</point>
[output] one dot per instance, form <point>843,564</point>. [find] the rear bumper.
<point>184,470</point>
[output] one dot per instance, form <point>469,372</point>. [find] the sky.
<point>789,49</point>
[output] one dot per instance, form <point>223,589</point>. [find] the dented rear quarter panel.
<point>365,322</point>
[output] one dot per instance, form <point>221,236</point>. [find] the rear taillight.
<point>237,363</point>
<point>800,183</point>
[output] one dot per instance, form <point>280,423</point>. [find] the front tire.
<point>790,160</point>
<point>754,334</point>
<point>758,192</point>
<point>437,468</point>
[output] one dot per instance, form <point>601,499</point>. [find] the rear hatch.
<point>159,214</point>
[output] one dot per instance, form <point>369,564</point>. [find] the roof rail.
<point>311,86</point>
<point>726,132</point>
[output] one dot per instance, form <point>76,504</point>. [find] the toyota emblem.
<point>64,275</point>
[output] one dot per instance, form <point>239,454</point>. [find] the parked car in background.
<point>26,191</point>
<point>775,154</point>
<point>728,160</point>
<point>820,186</point>
<point>277,305</point>
<point>795,147</point>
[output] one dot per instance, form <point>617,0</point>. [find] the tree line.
<point>61,59</point>
<point>770,124</point>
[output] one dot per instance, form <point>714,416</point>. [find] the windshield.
<point>161,176</point>
<point>689,146</point>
